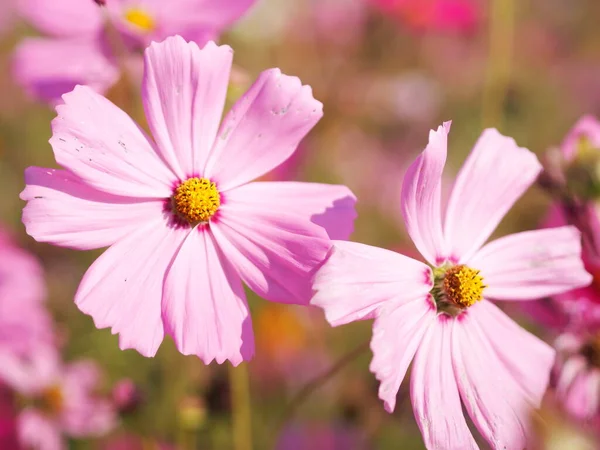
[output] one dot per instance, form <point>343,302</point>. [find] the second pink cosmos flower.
<point>184,224</point>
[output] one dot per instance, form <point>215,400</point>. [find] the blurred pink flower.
<point>434,15</point>
<point>463,346</point>
<point>7,15</point>
<point>24,321</point>
<point>60,400</point>
<point>126,396</point>
<point>577,373</point>
<point>321,437</point>
<point>78,51</point>
<point>183,221</point>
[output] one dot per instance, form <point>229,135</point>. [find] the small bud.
<point>126,396</point>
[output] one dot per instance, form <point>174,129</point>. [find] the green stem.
<point>502,27</point>
<point>240,406</point>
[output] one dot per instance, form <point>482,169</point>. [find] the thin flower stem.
<point>501,46</point>
<point>240,407</point>
<point>319,381</point>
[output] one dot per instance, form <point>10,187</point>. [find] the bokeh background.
<point>386,77</point>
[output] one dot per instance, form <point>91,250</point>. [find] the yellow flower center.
<point>140,19</point>
<point>463,286</point>
<point>196,200</point>
<point>52,399</point>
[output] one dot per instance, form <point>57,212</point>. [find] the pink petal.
<point>274,253</point>
<point>262,129</point>
<point>525,356</point>
<point>329,206</point>
<point>62,210</point>
<point>421,191</point>
<point>204,306</point>
<point>29,374</point>
<point>80,61</point>
<point>123,288</point>
<point>532,264</point>
<point>74,18</point>
<point>494,176</point>
<point>433,392</point>
<point>492,395</point>
<point>357,279</point>
<point>397,333</point>
<point>106,149</point>
<point>582,399</point>
<point>184,92</point>
<point>587,127</point>
<point>36,431</point>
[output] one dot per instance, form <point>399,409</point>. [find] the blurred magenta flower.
<point>434,15</point>
<point>24,321</point>
<point>76,36</point>
<point>463,346</point>
<point>183,221</point>
<point>126,396</point>
<point>321,437</point>
<point>9,438</point>
<point>59,399</point>
<point>577,373</point>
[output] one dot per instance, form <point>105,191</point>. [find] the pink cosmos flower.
<point>59,399</point>
<point>183,221</point>
<point>24,322</point>
<point>77,51</point>
<point>464,347</point>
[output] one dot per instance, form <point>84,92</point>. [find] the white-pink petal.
<point>262,129</point>
<point>62,210</point>
<point>434,395</point>
<point>204,306</point>
<point>329,206</point>
<point>532,264</point>
<point>357,279</point>
<point>72,18</point>
<point>421,191</point>
<point>397,333</point>
<point>123,288</point>
<point>274,253</point>
<point>184,90</point>
<point>490,393</point>
<point>104,147</point>
<point>492,179</point>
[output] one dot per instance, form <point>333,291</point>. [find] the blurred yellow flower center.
<point>463,286</point>
<point>52,399</point>
<point>140,18</point>
<point>196,200</point>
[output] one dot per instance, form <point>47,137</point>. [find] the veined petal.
<point>532,264</point>
<point>262,129</point>
<point>494,176</point>
<point>492,396</point>
<point>421,192</point>
<point>184,90</point>
<point>73,18</point>
<point>357,279</point>
<point>81,61</point>
<point>123,288</point>
<point>274,253</point>
<point>204,306</point>
<point>329,206</point>
<point>433,392</point>
<point>62,210</point>
<point>100,144</point>
<point>397,333</point>
<point>525,356</point>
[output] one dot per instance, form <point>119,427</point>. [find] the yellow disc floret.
<point>196,200</point>
<point>463,286</point>
<point>52,399</point>
<point>140,19</point>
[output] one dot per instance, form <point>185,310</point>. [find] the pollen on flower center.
<point>196,200</point>
<point>463,286</point>
<point>140,18</point>
<point>52,399</point>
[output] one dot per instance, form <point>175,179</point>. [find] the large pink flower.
<point>24,321</point>
<point>58,399</point>
<point>464,347</point>
<point>184,224</point>
<point>77,51</point>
